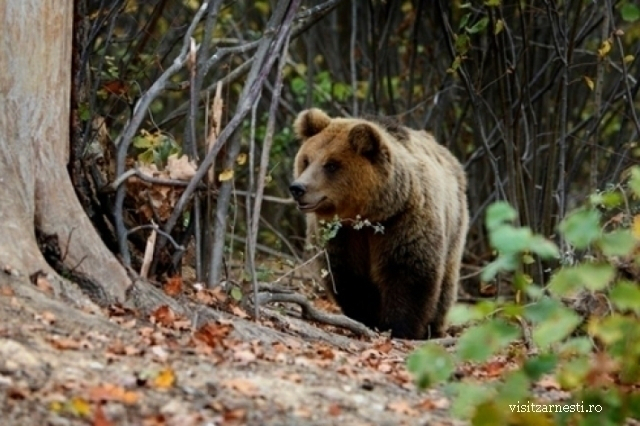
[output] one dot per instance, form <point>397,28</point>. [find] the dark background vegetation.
<point>538,99</point>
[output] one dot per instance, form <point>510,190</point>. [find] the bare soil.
<point>68,363</point>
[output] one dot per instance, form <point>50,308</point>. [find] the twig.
<point>150,179</point>
<point>159,231</point>
<point>309,312</point>
<point>251,218</point>
<point>148,254</point>
<point>270,198</point>
<point>254,216</point>
<point>132,127</point>
<point>275,35</point>
<point>310,16</point>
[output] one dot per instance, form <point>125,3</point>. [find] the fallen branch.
<point>309,312</point>
<point>150,179</point>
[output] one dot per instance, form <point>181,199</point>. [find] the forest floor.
<point>60,365</point>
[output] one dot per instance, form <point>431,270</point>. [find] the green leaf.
<point>467,396</point>
<point>492,3</point>
<point>463,23</point>
<point>608,200</point>
<point>146,157</point>
<point>141,142</point>
<point>542,309</point>
<point>540,365</point>
<point>543,247</point>
<point>490,413</point>
<point>508,239</point>
<point>634,181</point>
<point>515,387</point>
<point>563,322</point>
<point>630,12</point>
<point>592,276</point>
<point>617,243</point>
<point>462,314</point>
<point>626,296</point>
<point>505,262</point>
<point>84,113</point>
<point>462,43</point>
<point>430,365</point>
<point>480,342</point>
<point>481,25</point>
<point>581,227</point>
<point>573,373</point>
<point>575,346</point>
<point>498,213</point>
<point>236,294</point>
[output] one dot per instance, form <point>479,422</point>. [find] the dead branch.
<point>130,130</point>
<point>309,312</point>
<point>150,179</point>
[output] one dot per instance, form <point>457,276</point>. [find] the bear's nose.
<point>297,190</point>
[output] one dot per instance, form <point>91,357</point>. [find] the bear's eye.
<point>305,163</point>
<point>331,166</point>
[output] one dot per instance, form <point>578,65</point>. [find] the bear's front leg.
<point>410,278</point>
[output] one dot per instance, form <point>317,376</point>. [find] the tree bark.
<point>35,188</point>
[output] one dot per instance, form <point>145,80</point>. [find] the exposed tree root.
<point>309,312</point>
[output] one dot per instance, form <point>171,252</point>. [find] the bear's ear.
<point>366,140</point>
<point>310,122</point>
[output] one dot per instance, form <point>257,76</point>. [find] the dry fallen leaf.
<point>402,407</point>
<point>243,386</point>
<point>165,379</point>
<point>212,333</point>
<point>164,316</point>
<point>99,419</point>
<point>180,168</point>
<point>110,392</point>
<point>79,407</point>
<point>173,286</point>
<point>238,311</point>
<point>65,343</point>
<point>6,291</point>
<point>335,410</point>
<point>244,356</point>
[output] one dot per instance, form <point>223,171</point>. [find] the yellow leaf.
<point>79,407</point>
<point>499,27</point>
<point>589,82</point>
<point>629,58</point>
<point>636,226</point>
<point>56,406</point>
<point>242,158</point>
<point>225,175</point>
<point>165,379</point>
<point>605,48</point>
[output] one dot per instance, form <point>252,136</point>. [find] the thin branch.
<point>156,228</point>
<point>150,179</point>
<point>136,119</point>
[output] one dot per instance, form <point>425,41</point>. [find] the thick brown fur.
<point>405,279</point>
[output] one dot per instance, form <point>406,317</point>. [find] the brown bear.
<point>403,279</point>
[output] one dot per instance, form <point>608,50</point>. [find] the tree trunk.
<point>35,188</point>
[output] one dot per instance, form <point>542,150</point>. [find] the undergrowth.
<point>591,355</point>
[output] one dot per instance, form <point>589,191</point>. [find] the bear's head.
<point>343,166</point>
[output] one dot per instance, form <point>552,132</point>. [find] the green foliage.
<point>630,12</point>
<point>431,364</point>
<point>329,230</point>
<point>564,341</point>
<point>155,148</point>
<point>512,242</point>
